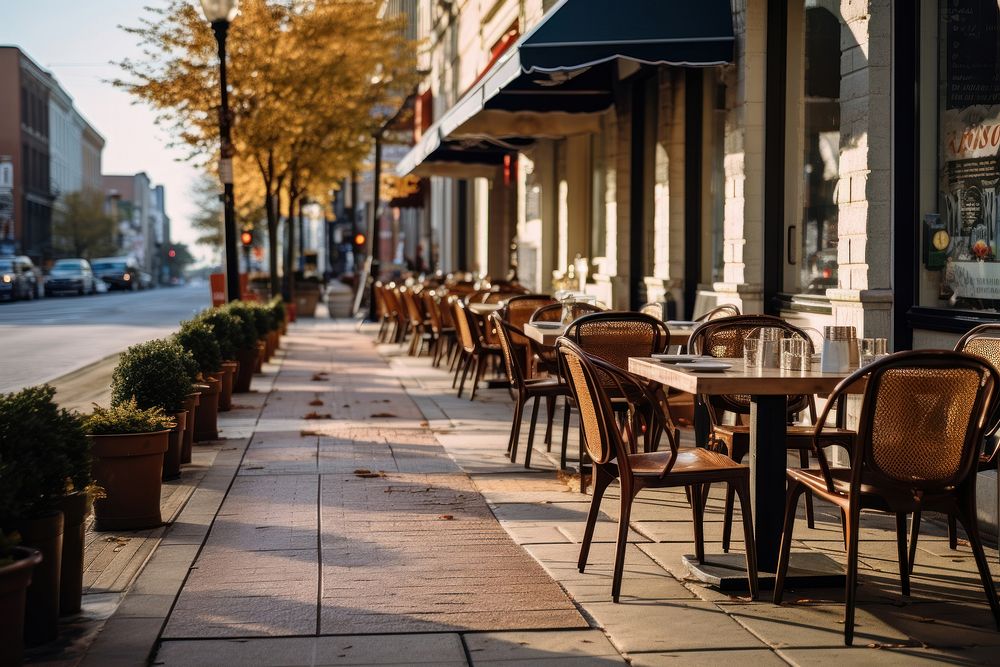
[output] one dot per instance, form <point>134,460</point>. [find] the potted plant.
<point>157,374</point>
<point>75,505</point>
<point>277,306</point>
<point>307,294</point>
<point>128,447</point>
<point>264,322</point>
<point>16,565</point>
<point>198,338</point>
<point>226,330</point>
<point>245,341</point>
<point>35,435</point>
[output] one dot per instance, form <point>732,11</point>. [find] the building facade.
<point>130,201</point>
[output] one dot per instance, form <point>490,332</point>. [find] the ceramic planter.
<point>75,508</point>
<point>41,608</point>
<point>129,467</point>
<point>190,406</point>
<point>258,366</point>
<point>14,581</point>
<point>244,374</point>
<point>206,417</point>
<point>228,375</point>
<point>172,457</point>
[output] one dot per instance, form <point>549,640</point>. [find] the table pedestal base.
<point>728,572</point>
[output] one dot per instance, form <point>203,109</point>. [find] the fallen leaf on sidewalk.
<point>316,402</point>
<point>446,517</point>
<point>317,415</point>
<point>319,377</point>
<point>119,542</point>
<point>305,433</point>
<point>365,473</point>
<point>383,414</point>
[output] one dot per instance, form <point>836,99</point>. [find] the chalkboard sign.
<point>972,54</point>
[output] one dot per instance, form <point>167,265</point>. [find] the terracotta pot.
<point>276,339</point>
<point>129,467</point>
<point>190,406</point>
<point>14,580</point>
<point>258,365</point>
<point>244,375</point>
<point>268,346</point>
<point>75,508</point>
<point>172,457</point>
<point>41,608</point>
<point>206,418</point>
<point>229,369</point>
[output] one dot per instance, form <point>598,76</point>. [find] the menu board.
<point>972,52</point>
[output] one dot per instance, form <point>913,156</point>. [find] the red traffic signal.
<point>359,239</point>
<point>171,253</point>
<point>247,239</point>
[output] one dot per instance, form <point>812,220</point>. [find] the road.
<point>44,339</point>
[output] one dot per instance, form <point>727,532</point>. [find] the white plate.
<point>547,325</point>
<point>681,323</point>
<point>676,358</point>
<point>706,366</point>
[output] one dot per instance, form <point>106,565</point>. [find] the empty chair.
<point>476,351</point>
<point>444,335</point>
<point>922,420</point>
<point>725,310</point>
<point>615,457</point>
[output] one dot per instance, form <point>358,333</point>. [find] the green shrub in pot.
<point>156,373</point>
<point>226,328</point>
<point>244,314</point>
<point>263,319</point>
<point>277,306</point>
<point>126,417</point>
<point>198,338</point>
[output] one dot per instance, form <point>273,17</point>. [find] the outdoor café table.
<point>548,335</point>
<point>768,390</point>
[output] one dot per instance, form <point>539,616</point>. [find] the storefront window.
<point>962,240</point>
<point>814,96</point>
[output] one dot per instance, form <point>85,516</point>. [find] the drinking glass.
<point>870,349</point>
<point>751,353</point>
<point>794,354</point>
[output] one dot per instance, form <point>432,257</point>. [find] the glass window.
<point>961,239</point>
<point>813,149</point>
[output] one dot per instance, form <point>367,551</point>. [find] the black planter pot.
<point>41,610</point>
<point>14,580</point>
<point>75,508</point>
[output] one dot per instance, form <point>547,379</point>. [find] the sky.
<point>77,40</point>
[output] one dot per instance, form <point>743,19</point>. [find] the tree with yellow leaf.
<point>309,81</point>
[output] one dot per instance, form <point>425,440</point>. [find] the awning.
<point>559,77</point>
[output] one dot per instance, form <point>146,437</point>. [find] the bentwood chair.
<point>476,351</point>
<point>983,341</point>
<point>724,338</point>
<point>615,456</point>
<point>381,311</point>
<point>420,330</point>
<point>923,417</point>
<point>444,335</point>
<point>725,310</point>
<point>513,343</point>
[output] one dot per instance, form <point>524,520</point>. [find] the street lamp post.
<point>220,13</point>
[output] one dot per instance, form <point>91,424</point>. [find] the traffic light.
<point>171,253</point>
<point>359,239</point>
<point>247,239</point>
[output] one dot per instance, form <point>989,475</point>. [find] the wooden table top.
<point>737,380</point>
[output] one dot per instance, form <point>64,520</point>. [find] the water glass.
<point>751,353</point>
<point>870,349</point>
<point>794,354</point>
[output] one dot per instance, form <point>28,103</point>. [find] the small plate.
<point>547,325</point>
<point>706,366</point>
<point>681,323</point>
<point>676,358</point>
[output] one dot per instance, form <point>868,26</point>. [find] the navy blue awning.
<point>565,69</point>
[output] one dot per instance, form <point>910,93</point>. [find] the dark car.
<point>117,272</point>
<point>71,276</point>
<point>17,279</point>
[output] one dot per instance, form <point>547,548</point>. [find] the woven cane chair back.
<point>923,417</point>
<point>466,335</point>
<point>513,351</point>
<point>723,338</point>
<point>394,302</point>
<point>984,341</point>
<point>614,336</point>
<point>553,312</point>
<point>519,309</point>
<point>717,313</point>
<point>413,310</point>
<point>433,310</point>
<point>653,309</point>
<point>601,437</point>
<point>380,307</point>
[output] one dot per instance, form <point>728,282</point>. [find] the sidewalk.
<point>361,514</point>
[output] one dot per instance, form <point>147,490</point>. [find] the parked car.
<point>71,275</point>
<point>146,281</point>
<point>17,278</point>
<point>117,272</point>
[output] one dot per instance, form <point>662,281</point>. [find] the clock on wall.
<point>937,240</point>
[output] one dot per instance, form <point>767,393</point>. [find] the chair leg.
<point>727,521</point>
<point>469,360</point>
<point>480,367</point>
<point>804,463</point>
<point>627,496</point>
<point>602,479</point>
<point>914,536</point>
<point>583,451</point>
<point>904,568</point>
<point>565,434</point>
<point>460,359</point>
<point>550,408</point>
<point>531,432</point>
<point>784,554</point>
<point>952,533</point>
<point>698,515</point>
<point>851,594</point>
<point>742,488</point>
<point>968,518</point>
<point>515,429</point>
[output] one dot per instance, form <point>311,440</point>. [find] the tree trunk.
<point>288,286</point>
<point>272,243</point>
